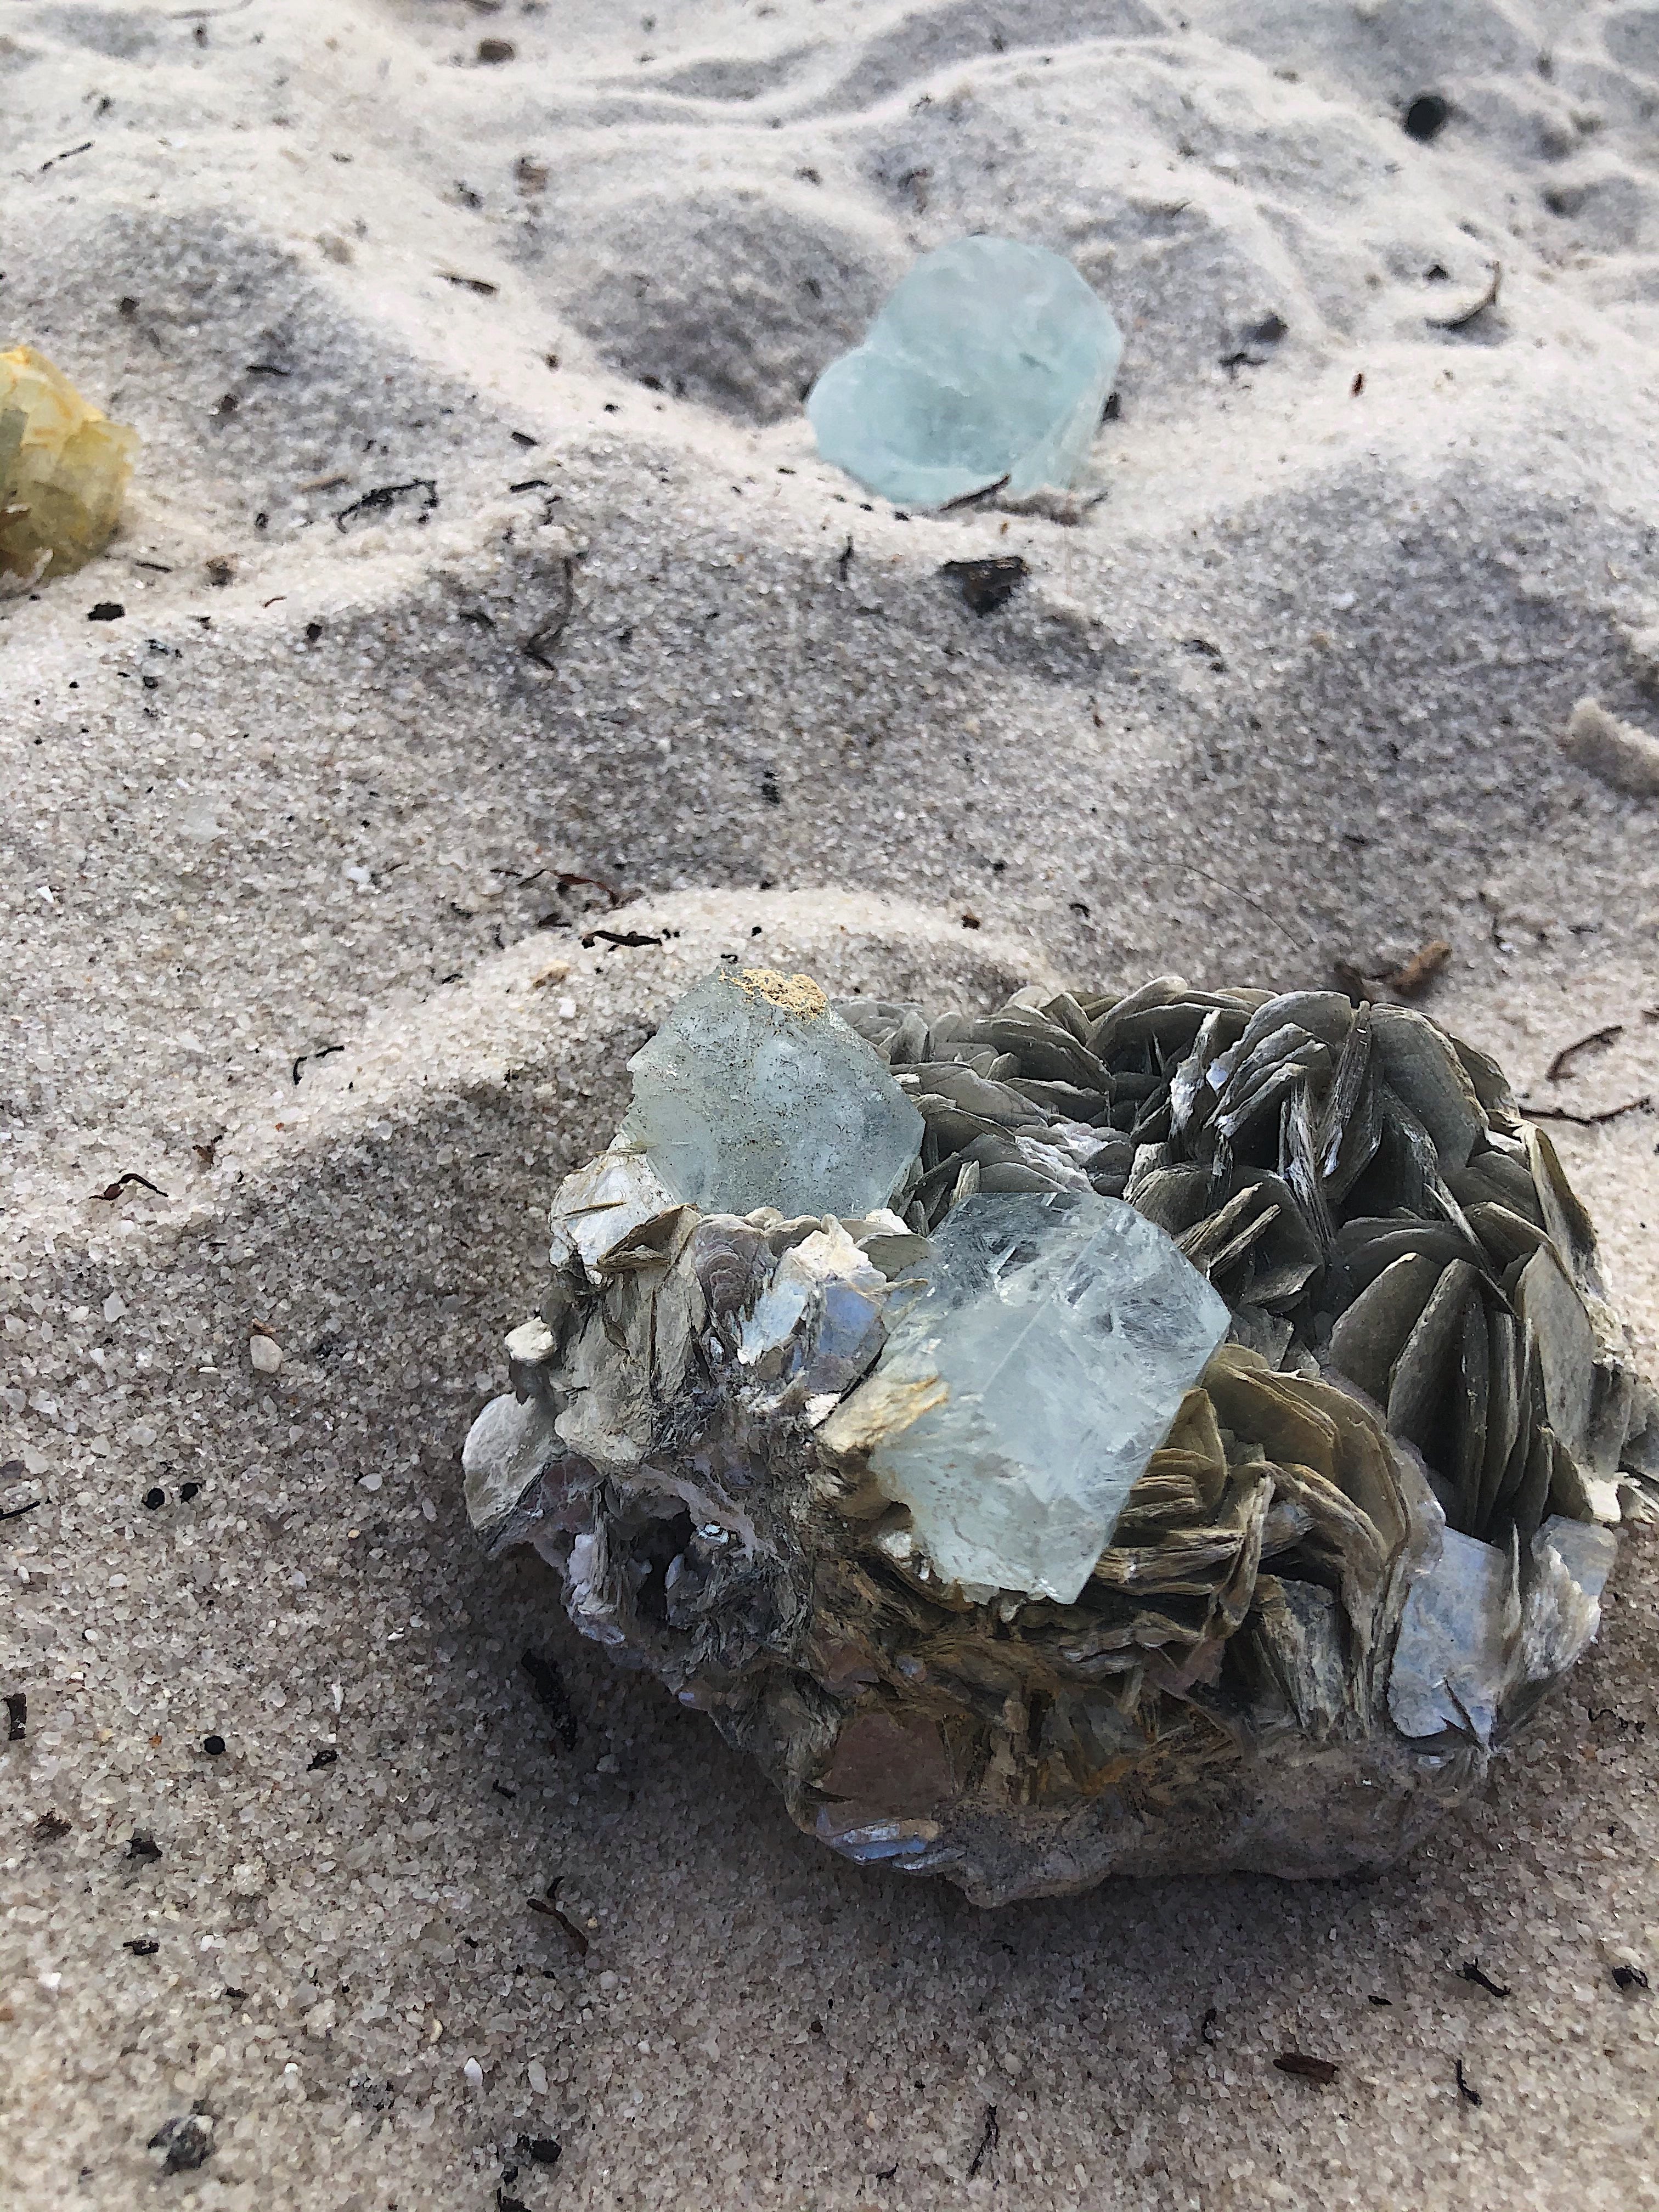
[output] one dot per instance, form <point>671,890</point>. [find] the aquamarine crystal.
<point>753,1093</point>
<point>991,360</point>
<point>1046,1347</point>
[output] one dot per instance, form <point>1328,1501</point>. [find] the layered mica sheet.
<point>63,472</point>
<point>1336,1571</point>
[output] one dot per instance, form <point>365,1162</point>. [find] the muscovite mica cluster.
<point>1144,1435</point>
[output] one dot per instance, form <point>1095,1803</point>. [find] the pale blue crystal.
<point>1050,1340</point>
<point>991,359</point>
<point>753,1093</point>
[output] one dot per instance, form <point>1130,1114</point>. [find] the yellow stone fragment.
<point>64,468</point>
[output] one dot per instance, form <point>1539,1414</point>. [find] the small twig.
<point>1465,316</point>
<point>612,936</point>
<point>1642,1105</point>
<point>968,498</point>
<point>1562,1063</point>
<point>989,2138</point>
<point>1470,2096</point>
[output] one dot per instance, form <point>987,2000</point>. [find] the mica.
<point>64,468</point>
<point>753,1093</point>
<point>989,365</point>
<point>937,1506</point>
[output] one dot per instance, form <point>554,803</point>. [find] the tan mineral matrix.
<point>64,468</point>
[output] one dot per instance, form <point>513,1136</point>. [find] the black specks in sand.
<point>1426,118</point>
<point>988,584</point>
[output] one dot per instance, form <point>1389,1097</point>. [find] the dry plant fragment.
<point>64,468</point>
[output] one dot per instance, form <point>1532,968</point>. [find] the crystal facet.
<point>63,471</point>
<point>753,1093</point>
<point>1046,1346</point>
<point>990,360</point>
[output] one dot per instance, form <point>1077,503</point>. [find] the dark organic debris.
<point>17,1714</point>
<point>1358,384</point>
<point>550,1910</point>
<point>384,496</point>
<point>111,1192</point>
<point>497,50</point>
<point>563,884</point>
<point>616,937</point>
<point>844,558</point>
<point>51,1828</point>
<point>1207,2026</point>
<point>990,2136</point>
<point>542,643</point>
<point>1323,2070</point>
<point>319,1759</point>
<point>481,285</point>
<point>1562,1064</point>
<point>143,1846</point>
<point>187,2140</point>
<point>984,491</point>
<point>15,1512</point>
<point>214,1746</point>
<point>1642,1105</point>
<point>1473,1971</point>
<point>1267,332</point>
<point>1470,2095</point>
<point>106,610</point>
<point>1414,975</point>
<point>1628,1978</point>
<point>1426,118</point>
<point>540,2150</point>
<point>1408,981</point>
<point>987,584</point>
<point>548,1685</point>
<point>142,1947</point>
<point>1465,316</point>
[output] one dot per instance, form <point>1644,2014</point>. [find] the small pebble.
<point>265,1353</point>
<point>474,2073</point>
<point>213,1745</point>
<point>538,2077</point>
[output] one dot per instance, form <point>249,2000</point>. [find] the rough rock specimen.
<point>937,1507</point>
<point>989,365</point>
<point>63,472</point>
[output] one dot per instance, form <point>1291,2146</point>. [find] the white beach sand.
<point>299,853</point>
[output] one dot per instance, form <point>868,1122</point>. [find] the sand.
<point>302,1026</point>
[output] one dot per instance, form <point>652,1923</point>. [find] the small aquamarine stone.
<point>1050,1341</point>
<point>991,359</point>
<point>753,1093</point>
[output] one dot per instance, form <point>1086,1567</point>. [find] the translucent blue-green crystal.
<point>1050,1339</point>
<point>991,359</point>
<point>753,1093</point>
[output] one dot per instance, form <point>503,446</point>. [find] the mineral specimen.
<point>988,365</point>
<point>753,1093</point>
<point>1019,1396</point>
<point>818,1466</point>
<point>63,472</point>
